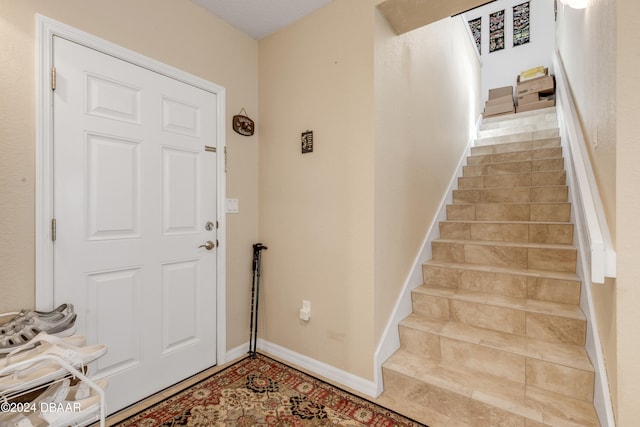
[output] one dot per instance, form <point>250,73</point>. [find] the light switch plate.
<point>232,205</point>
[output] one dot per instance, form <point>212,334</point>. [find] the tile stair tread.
<point>514,244</point>
<point>555,140</point>
<point>415,411</point>
<point>512,152</point>
<point>507,118</point>
<point>516,398</point>
<point>517,137</point>
<point>521,150</point>
<point>524,304</point>
<point>520,121</point>
<point>545,119</point>
<point>510,147</point>
<point>523,127</point>
<point>509,204</point>
<point>535,134</point>
<point>540,118</point>
<point>522,161</point>
<point>460,221</point>
<point>512,188</point>
<point>490,269</point>
<point>570,355</point>
<point>513,174</point>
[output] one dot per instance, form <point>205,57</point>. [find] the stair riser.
<point>510,285</point>
<point>518,137</point>
<point>457,405</point>
<point>556,329</point>
<point>546,212</point>
<point>483,359</point>
<point>516,146</point>
<point>420,343</point>
<point>564,380</point>
<point>510,168</point>
<point>466,356</point>
<point>513,232</point>
<point>563,260</point>
<point>558,193</point>
<point>503,319</point>
<point>515,156</point>
<point>534,127</point>
<point>538,179</point>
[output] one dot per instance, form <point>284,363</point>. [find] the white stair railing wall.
<point>602,253</point>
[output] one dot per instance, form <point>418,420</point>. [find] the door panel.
<point>121,288</point>
<point>106,189</point>
<point>180,192</point>
<point>133,190</point>
<point>179,292</point>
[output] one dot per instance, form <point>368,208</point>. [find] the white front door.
<point>134,201</point>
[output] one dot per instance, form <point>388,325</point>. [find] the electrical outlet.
<point>305,311</point>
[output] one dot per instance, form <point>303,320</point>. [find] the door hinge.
<point>225,159</point>
<point>54,231</point>
<point>217,244</point>
<point>217,225</point>
<point>53,78</point>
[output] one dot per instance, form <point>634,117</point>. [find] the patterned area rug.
<point>263,392</point>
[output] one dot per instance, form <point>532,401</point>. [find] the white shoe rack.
<point>84,417</point>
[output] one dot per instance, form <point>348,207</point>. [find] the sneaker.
<point>60,327</point>
<point>17,322</point>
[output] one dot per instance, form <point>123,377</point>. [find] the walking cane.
<point>255,297</point>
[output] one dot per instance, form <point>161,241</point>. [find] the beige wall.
<point>587,41</point>
<point>344,224</point>
<point>427,85</point>
<point>599,49</point>
<point>627,211</point>
<point>316,209</point>
<point>178,33</point>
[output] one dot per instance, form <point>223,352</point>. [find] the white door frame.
<point>46,29</point>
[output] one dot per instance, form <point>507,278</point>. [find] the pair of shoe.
<point>16,373</point>
<point>29,323</point>
<point>61,404</point>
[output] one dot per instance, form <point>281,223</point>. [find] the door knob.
<point>208,246</point>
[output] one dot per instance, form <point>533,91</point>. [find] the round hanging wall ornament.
<point>243,124</point>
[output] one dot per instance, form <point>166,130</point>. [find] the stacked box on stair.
<point>500,102</point>
<point>535,93</point>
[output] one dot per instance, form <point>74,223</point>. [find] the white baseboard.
<point>237,352</point>
<point>320,369</point>
<point>390,340</point>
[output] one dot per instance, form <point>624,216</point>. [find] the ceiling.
<point>407,15</point>
<point>259,18</point>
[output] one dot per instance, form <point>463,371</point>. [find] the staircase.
<point>497,337</point>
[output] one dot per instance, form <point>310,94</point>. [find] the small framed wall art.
<point>496,31</point>
<point>242,124</point>
<point>521,24</point>
<point>306,139</point>
<point>475,25</point>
